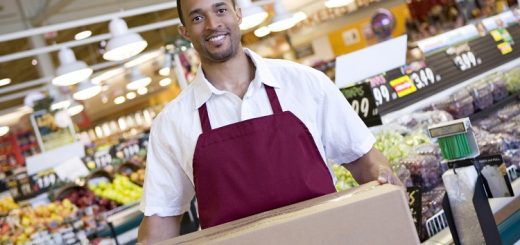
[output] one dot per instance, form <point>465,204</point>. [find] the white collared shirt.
<point>338,132</point>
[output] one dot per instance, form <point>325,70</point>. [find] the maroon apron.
<point>256,165</point>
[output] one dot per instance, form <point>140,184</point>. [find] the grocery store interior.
<point>436,81</point>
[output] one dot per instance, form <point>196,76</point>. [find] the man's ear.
<point>238,11</point>
<point>184,33</point>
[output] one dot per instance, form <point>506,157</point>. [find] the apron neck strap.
<point>273,100</point>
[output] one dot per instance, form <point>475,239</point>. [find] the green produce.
<point>395,146</point>
<point>121,190</point>
<point>345,180</point>
<point>513,80</point>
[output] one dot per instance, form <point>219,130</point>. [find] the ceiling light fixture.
<point>337,3</point>
<point>5,81</point>
<point>131,95</point>
<point>86,90</point>
<point>123,44</point>
<point>283,19</point>
<point>137,80</point>
<point>75,108</point>
<point>262,31</point>
<point>70,71</point>
<point>107,75</point>
<point>253,15</point>
<point>167,64</point>
<point>119,100</point>
<point>4,130</point>
<point>165,82</point>
<point>300,16</point>
<point>60,101</point>
<point>142,91</point>
<point>83,35</point>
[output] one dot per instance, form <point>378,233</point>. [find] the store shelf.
<point>494,108</point>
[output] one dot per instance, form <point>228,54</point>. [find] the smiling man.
<point>249,134</point>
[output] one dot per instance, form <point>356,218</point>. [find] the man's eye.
<point>222,11</point>
<point>197,19</point>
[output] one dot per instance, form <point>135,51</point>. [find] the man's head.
<point>212,26</point>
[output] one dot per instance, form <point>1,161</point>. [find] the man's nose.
<point>213,22</point>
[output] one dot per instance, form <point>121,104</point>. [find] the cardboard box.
<point>369,214</point>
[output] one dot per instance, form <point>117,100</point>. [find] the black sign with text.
<point>415,204</point>
<point>362,101</point>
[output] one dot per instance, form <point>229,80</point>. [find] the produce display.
<point>424,170</point>
<point>7,204</point>
<point>138,177</point>
<point>345,180</point>
<point>396,146</point>
<point>45,224</point>
<point>120,190</point>
<point>461,105</point>
<point>482,96</point>
<point>513,80</point>
<point>83,198</point>
<point>498,87</point>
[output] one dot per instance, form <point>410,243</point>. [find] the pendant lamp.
<point>60,101</point>
<point>86,90</point>
<point>70,71</point>
<point>337,3</point>
<point>252,15</point>
<point>4,130</point>
<point>137,80</point>
<point>75,108</point>
<point>283,19</point>
<point>123,44</point>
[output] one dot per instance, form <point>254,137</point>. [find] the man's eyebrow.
<point>199,10</point>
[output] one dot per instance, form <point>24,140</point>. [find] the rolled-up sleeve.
<point>345,136</point>
<point>167,189</point>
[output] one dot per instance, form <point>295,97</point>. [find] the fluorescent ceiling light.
<point>82,35</point>
<point>300,16</point>
<point>141,59</point>
<point>137,80</point>
<point>337,3</point>
<point>86,90</point>
<point>131,95</point>
<point>282,19</point>
<point>262,31</point>
<point>119,100</point>
<point>165,82</point>
<point>107,75</point>
<point>142,91</point>
<point>75,108</point>
<point>5,81</point>
<point>4,130</point>
<point>252,15</point>
<point>123,44</point>
<point>70,71</point>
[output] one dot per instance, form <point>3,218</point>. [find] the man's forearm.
<point>368,167</point>
<point>154,229</point>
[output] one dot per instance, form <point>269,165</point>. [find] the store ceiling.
<point>17,15</point>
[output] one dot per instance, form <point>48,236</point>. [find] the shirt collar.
<point>203,89</point>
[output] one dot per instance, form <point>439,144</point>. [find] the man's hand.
<point>373,166</point>
<point>154,229</point>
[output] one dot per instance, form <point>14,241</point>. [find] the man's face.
<point>213,28</point>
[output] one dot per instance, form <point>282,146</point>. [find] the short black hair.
<point>179,10</point>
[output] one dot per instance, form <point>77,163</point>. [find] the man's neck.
<point>234,75</point>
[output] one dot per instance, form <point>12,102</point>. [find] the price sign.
<point>466,61</point>
<point>43,181</point>
<point>415,204</point>
<point>363,103</point>
<point>424,77</point>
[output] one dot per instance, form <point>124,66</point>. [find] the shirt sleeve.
<point>167,189</point>
<point>345,136</point>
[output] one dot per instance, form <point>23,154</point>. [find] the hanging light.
<point>32,97</point>
<point>123,44</point>
<point>4,130</point>
<point>253,15</point>
<point>283,19</point>
<point>337,3</point>
<point>165,82</point>
<point>142,91</point>
<point>137,80</point>
<point>262,31</point>
<point>131,95</point>
<point>167,64</point>
<point>83,35</point>
<point>75,108</point>
<point>60,101</point>
<point>119,100</point>
<point>86,90</point>
<point>5,81</point>
<point>70,71</point>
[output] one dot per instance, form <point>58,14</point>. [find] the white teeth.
<point>217,38</point>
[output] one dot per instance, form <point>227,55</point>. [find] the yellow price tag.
<point>505,48</point>
<point>403,86</point>
<point>496,35</point>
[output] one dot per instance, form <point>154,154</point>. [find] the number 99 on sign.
<point>362,107</point>
<point>381,95</point>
